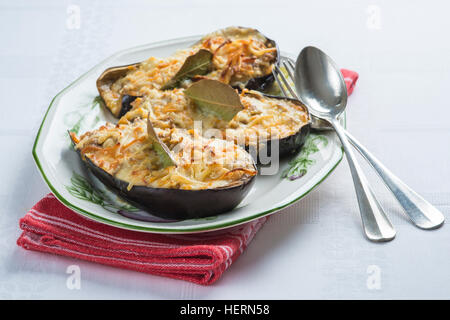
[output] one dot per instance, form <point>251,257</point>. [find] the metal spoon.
<point>423,214</point>
<point>321,87</point>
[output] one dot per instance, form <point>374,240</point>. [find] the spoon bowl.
<point>324,98</point>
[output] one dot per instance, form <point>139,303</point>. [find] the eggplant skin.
<point>126,104</point>
<point>287,146</point>
<point>260,84</point>
<point>292,144</point>
<point>178,204</point>
<point>265,82</point>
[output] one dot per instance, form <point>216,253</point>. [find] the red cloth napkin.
<point>201,258</point>
<point>350,78</point>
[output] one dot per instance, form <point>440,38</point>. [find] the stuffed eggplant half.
<point>240,57</point>
<point>269,126</point>
<point>263,124</point>
<point>208,176</point>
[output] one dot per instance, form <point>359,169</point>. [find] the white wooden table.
<point>314,249</point>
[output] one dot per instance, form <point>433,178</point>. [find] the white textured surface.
<point>315,249</point>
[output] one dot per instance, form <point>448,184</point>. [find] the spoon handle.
<point>421,212</point>
<point>376,224</point>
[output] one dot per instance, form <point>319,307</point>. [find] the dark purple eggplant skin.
<point>126,104</point>
<point>174,204</point>
<point>289,145</point>
<point>292,144</point>
<point>260,84</point>
<point>110,75</point>
<point>265,82</point>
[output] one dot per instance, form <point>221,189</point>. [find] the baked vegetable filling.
<point>125,152</point>
<point>237,56</point>
<point>263,118</point>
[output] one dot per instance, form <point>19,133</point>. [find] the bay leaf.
<point>161,149</point>
<point>197,64</point>
<point>215,98</point>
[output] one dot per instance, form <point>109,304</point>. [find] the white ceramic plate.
<point>75,108</point>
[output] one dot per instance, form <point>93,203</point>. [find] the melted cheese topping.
<point>125,152</point>
<point>262,117</point>
<point>238,56</point>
